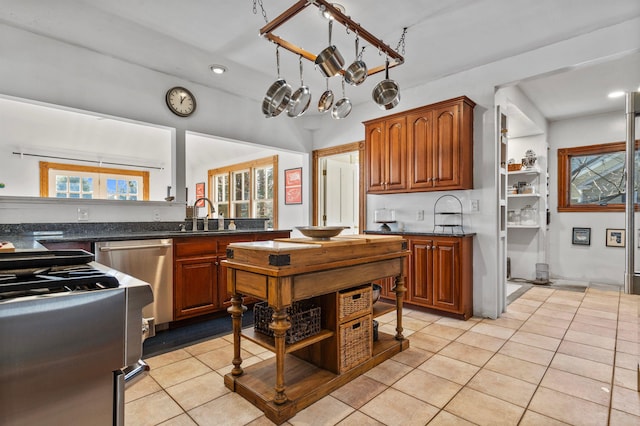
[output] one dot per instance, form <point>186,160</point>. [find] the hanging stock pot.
<point>278,95</point>
<point>330,61</point>
<point>386,93</point>
<point>356,73</point>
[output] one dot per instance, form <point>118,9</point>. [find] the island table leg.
<point>400,289</point>
<point>280,325</point>
<point>236,310</point>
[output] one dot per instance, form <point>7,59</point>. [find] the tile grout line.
<point>555,352</point>
<point>615,354</point>
<point>481,367</point>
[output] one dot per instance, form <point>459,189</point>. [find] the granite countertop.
<point>32,236</point>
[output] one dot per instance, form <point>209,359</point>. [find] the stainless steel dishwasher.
<point>147,260</point>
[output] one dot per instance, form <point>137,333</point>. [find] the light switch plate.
<point>420,215</point>
<point>475,205</point>
<point>83,214</point>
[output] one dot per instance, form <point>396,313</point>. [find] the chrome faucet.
<point>206,218</point>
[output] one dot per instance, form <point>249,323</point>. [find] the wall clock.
<point>181,101</point>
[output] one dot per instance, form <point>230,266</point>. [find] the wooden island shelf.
<point>327,273</point>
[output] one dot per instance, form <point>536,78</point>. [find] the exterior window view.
<point>316,213</point>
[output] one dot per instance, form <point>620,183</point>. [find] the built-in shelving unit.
<point>525,183</point>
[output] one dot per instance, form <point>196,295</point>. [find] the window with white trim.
<point>83,182</point>
<point>247,190</point>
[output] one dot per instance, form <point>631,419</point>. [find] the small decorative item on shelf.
<point>528,215</point>
<point>529,159</point>
<point>384,217</point>
<point>447,215</point>
<point>512,166</point>
<point>525,188</point>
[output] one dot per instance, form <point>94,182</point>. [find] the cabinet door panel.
<point>446,268</point>
<point>421,150</point>
<point>447,146</point>
<point>196,286</point>
<point>421,274</point>
<point>376,157</point>
<point>396,156</point>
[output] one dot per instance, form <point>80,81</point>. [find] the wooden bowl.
<point>320,232</point>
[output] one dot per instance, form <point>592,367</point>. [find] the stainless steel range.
<point>70,331</point>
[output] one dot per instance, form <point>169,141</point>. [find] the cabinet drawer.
<point>195,246</point>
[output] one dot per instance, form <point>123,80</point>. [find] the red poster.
<point>200,194</point>
<point>293,186</point>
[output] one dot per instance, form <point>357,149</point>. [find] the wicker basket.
<point>514,167</point>
<point>355,302</point>
<point>356,342</point>
<point>304,318</point>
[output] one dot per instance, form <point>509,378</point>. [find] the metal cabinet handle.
<point>117,248</point>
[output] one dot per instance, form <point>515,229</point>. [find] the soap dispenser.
<point>220,222</point>
<point>232,226</point>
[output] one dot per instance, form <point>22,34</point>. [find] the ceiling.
<point>183,39</point>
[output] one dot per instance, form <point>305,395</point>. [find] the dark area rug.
<point>186,335</point>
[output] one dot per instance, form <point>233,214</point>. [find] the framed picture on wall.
<point>293,186</point>
<point>200,193</point>
<point>581,236</point>
<point>615,238</point>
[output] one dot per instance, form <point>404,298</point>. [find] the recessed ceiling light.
<point>616,94</point>
<point>218,69</point>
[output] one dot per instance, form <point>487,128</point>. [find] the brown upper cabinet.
<point>424,149</point>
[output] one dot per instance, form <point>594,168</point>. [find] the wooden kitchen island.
<point>330,274</point>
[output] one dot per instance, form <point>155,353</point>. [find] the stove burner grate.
<point>76,278</point>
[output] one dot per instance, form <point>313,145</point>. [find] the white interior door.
<point>341,189</point>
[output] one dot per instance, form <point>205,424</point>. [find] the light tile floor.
<point>555,357</point>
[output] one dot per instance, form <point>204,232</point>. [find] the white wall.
<point>594,263</point>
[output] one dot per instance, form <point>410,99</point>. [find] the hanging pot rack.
<point>394,57</point>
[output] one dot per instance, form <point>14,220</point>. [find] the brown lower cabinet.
<point>440,274</point>
<point>200,278</point>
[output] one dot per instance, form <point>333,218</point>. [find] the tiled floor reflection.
<point>555,357</point>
